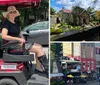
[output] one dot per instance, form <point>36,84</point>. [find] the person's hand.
<point>22,41</point>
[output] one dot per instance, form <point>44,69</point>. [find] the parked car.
<point>38,32</point>
<point>99,78</point>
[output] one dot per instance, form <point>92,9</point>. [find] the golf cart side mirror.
<point>28,31</point>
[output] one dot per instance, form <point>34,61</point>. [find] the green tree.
<point>91,13</point>
<point>52,11</point>
<point>53,49</point>
<point>52,55</point>
<point>90,10</point>
<point>95,1</point>
<point>37,12</point>
<point>44,7</point>
<point>98,15</point>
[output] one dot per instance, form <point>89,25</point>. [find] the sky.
<point>68,4</point>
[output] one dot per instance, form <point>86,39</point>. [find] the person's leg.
<point>37,49</point>
<point>40,56</point>
<point>38,65</point>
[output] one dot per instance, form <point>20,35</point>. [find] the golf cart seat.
<point>14,56</point>
<point>17,58</point>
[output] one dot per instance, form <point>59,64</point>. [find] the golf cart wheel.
<point>8,82</point>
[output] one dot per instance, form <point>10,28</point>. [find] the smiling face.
<point>12,14</point>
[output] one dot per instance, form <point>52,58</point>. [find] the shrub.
<point>53,83</point>
<point>57,83</point>
<point>62,83</point>
<point>56,31</point>
<point>62,23</point>
<point>76,28</point>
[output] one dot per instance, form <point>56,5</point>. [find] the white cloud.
<point>82,3</point>
<point>62,2</point>
<point>86,3</point>
<point>57,9</point>
<point>97,6</point>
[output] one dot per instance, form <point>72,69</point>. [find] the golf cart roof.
<point>19,3</point>
<point>70,61</point>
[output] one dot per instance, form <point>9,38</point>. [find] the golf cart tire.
<point>7,81</point>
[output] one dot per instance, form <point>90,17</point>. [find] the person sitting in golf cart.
<point>11,31</point>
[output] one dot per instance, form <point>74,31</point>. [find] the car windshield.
<point>38,26</point>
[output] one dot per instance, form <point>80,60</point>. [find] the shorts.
<point>28,45</point>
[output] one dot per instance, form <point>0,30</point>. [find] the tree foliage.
<point>52,11</point>
<point>91,13</point>
<point>53,47</point>
<point>90,10</point>
<point>98,15</point>
<point>37,12</point>
<point>52,55</point>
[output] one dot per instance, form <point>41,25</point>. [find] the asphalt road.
<point>55,68</point>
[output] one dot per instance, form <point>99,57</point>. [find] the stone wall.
<point>53,19</point>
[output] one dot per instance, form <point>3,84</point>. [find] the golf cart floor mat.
<point>37,80</point>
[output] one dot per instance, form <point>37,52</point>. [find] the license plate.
<point>13,67</point>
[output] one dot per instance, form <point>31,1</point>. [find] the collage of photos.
<point>49,42</point>
<point>75,42</point>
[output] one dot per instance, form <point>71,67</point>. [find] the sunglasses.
<point>12,12</point>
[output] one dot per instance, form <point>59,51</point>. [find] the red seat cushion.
<point>16,52</point>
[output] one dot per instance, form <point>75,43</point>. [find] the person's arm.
<point>21,35</point>
<point>7,37</point>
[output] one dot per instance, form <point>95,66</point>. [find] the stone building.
<point>77,16</point>
<point>53,19</point>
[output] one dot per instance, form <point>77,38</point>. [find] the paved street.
<point>55,68</point>
<point>90,83</point>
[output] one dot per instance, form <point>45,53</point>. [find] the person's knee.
<point>39,47</point>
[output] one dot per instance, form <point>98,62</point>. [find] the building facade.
<point>83,52</point>
<point>88,60</point>
<point>97,56</point>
